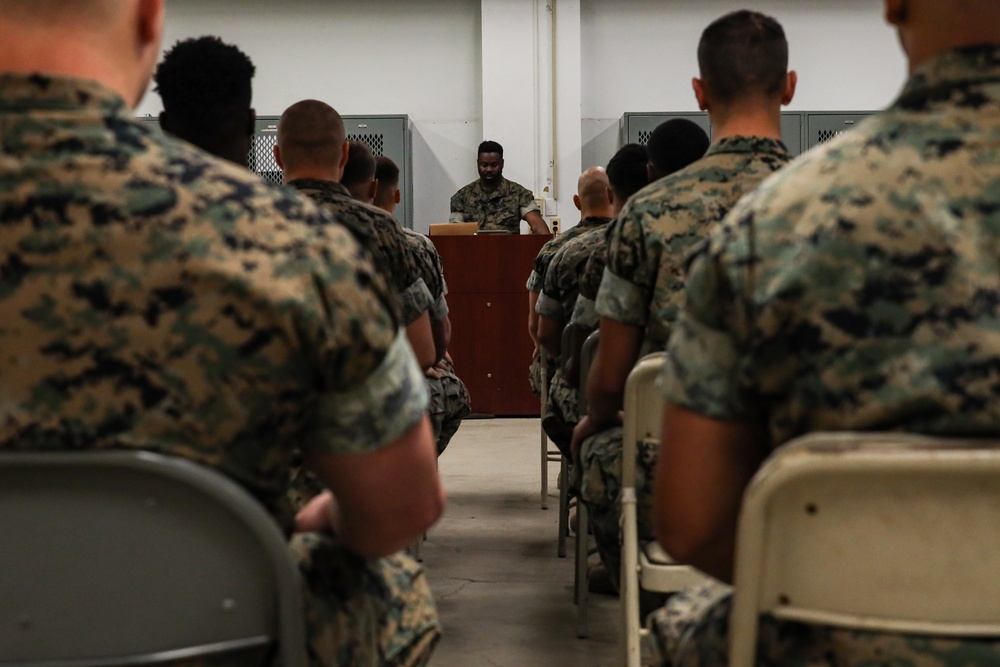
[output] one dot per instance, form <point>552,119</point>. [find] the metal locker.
<point>821,126</point>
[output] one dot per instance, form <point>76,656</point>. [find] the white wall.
<point>390,57</point>
<point>430,59</point>
<point>640,56</point>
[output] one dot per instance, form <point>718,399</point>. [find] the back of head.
<point>387,175</point>
<point>627,172</point>
<point>360,171</point>
<point>112,42</point>
<point>674,145</point>
<point>206,89</point>
<point>311,136</point>
<point>743,55</point>
<point>592,189</point>
<point>490,147</point>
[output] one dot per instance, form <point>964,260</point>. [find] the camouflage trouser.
<point>450,403</point>
<point>561,413</point>
<point>535,372</point>
<point>692,631</point>
<point>372,613</point>
<point>600,488</point>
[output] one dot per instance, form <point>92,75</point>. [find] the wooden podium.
<point>488,305</point>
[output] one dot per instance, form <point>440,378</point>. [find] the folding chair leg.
<point>581,597</point>
<point>563,507</point>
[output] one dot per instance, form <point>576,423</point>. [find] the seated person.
<point>819,351</point>
<point>744,81</point>
<point>595,211</point>
<point>192,310</point>
<point>450,401</point>
<point>493,201</point>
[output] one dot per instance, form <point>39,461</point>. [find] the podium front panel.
<point>488,305</point>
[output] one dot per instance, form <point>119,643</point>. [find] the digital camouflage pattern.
<point>643,286</point>
<point>431,270</point>
<point>450,403</point>
<point>542,261</point>
<point>859,291</point>
<point>538,362</point>
<point>561,413</point>
<point>648,244</point>
<point>153,297</point>
<point>692,630</point>
<point>393,257</point>
<point>565,272</point>
<point>502,209</point>
<point>585,309</point>
<point>600,484</point>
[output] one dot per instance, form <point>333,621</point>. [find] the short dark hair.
<point>387,175</point>
<point>675,144</point>
<point>627,172</point>
<point>490,147</point>
<point>386,172</point>
<point>360,164</point>
<point>205,83</point>
<point>743,54</point>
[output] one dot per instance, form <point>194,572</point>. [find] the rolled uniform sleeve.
<point>626,286</point>
<point>534,283</point>
<point>585,313</point>
<point>379,410</point>
<point>414,300</point>
<point>549,307</point>
<point>526,202</point>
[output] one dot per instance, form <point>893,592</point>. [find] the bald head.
<point>311,138</point>
<point>930,27</point>
<point>112,42</point>
<point>592,193</point>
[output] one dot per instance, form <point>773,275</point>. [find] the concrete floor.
<point>504,597</point>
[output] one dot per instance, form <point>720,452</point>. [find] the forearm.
<point>533,317</point>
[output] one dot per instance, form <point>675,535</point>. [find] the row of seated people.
<point>154,296</point>
<point>842,291</point>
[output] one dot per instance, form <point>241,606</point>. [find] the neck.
<point>490,187</point>
<point>746,119</point>
<point>66,52</point>
<point>597,212</point>
<point>922,48</point>
<point>314,173</point>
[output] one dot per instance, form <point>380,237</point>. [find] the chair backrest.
<point>884,532</point>
<point>643,411</point>
<point>587,355</point>
<point>123,557</point>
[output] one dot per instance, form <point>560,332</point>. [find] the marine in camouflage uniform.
<point>152,297</point>
<point>560,288</point>
<point>449,402</point>
<point>535,283</point>
<point>393,257</point>
<point>501,209</point>
<point>643,286</point>
<point>856,291</point>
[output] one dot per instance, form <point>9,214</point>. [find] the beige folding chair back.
<point>121,557</point>
<point>881,532</point>
<point>644,566</point>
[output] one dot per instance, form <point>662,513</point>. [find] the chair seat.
<point>659,573</point>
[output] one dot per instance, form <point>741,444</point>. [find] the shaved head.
<point>592,187</point>
<point>310,133</point>
<point>92,13</point>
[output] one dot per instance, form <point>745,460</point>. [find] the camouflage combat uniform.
<point>535,282</point>
<point>503,209</point>
<point>856,291</point>
<point>560,288</point>
<point>449,399</point>
<point>643,286</point>
<point>585,308</point>
<point>393,257</point>
<point>153,297</point>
